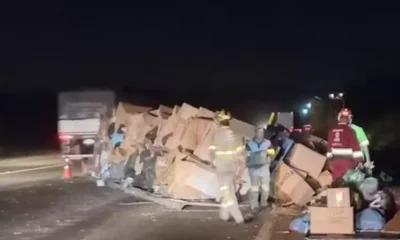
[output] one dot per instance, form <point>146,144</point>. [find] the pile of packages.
<point>355,203</point>
<point>166,151</point>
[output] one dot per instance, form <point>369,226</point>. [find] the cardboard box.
<point>300,172</point>
<point>204,179</point>
<point>242,129</point>
<point>178,188</point>
<point>339,197</point>
<point>325,179</point>
<point>187,111</point>
<point>202,148</point>
<point>124,110</point>
<point>307,160</point>
<point>205,113</point>
<point>331,220</point>
<point>393,226</point>
<point>285,179</point>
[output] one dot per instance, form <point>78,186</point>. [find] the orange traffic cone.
<point>67,172</point>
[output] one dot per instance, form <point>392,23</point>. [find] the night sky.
<point>272,52</point>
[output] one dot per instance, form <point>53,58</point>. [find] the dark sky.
<point>315,47</point>
<point>269,53</point>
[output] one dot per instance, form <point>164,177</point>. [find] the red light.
<point>65,137</point>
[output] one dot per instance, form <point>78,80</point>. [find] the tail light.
<point>64,137</point>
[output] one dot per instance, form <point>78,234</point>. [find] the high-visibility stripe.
<point>271,151</point>
<point>239,149</point>
<point>255,188</point>
<point>224,152</point>
<point>265,187</point>
<point>230,152</point>
<point>227,204</point>
<point>212,147</point>
<point>364,143</point>
<point>342,151</point>
<point>357,154</point>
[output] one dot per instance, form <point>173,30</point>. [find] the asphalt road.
<point>35,203</point>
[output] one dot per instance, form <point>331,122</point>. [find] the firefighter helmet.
<point>345,112</point>
<point>223,115</point>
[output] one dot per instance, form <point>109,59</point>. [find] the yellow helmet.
<point>223,115</point>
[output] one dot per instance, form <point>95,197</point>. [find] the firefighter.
<point>259,154</point>
<point>343,147</point>
<point>226,151</point>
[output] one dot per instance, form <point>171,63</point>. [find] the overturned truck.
<point>163,151</point>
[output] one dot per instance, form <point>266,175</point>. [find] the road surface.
<point>35,203</point>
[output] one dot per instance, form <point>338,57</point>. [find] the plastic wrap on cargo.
<point>300,224</point>
<point>369,188</point>
<point>355,177</point>
<point>370,219</point>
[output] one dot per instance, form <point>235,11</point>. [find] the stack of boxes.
<point>337,218</point>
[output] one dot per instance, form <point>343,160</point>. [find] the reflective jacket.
<point>226,149</point>
<point>343,143</point>
<point>257,153</point>
<point>361,136</point>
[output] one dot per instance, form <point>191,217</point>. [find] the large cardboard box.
<point>201,149</point>
<point>291,184</point>
<point>188,140</point>
<point>242,129</point>
<point>331,220</point>
<point>178,187</point>
<point>339,197</point>
<point>126,109</point>
<point>205,113</point>
<point>168,128</point>
<point>307,160</point>
<point>203,179</point>
<point>175,140</point>
<point>187,111</point>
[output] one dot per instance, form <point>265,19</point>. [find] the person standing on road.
<point>258,166</point>
<point>226,151</point>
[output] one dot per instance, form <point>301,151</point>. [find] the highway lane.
<point>39,204</point>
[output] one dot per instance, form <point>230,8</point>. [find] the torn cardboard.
<point>291,184</point>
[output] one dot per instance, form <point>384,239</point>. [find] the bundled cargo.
<point>166,150</point>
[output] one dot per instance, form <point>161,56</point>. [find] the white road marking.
<point>31,169</point>
<point>136,203</point>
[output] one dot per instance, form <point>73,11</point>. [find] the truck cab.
<point>80,115</point>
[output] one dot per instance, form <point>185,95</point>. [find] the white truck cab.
<point>79,119</point>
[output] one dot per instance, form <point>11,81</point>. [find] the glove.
<point>368,167</point>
